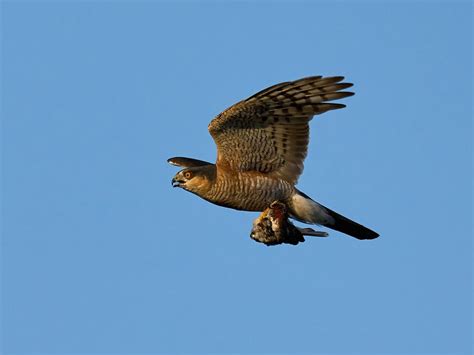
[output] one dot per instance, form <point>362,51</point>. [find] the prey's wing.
<point>269,132</point>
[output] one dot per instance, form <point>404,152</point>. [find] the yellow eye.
<point>188,175</point>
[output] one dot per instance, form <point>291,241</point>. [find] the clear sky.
<point>101,255</point>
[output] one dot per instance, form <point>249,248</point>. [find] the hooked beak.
<point>176,182</point>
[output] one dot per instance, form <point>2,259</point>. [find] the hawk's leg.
<point>273,227</point>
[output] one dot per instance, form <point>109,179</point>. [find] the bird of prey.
<point>262,142</point>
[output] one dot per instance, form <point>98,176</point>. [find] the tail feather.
<point>349,227</point>
<point>304,209</point>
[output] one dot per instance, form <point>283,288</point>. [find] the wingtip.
<point>171,161</point>
<point>187,162</point>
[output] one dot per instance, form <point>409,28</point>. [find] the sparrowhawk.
<point>261,145</point>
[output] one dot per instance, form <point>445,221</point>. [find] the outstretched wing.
<point>269,131</point>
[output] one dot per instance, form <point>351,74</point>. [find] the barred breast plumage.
<point>248,191</point>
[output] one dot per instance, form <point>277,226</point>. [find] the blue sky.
<point>101,255</point>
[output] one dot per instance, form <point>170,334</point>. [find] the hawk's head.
<point>197,179</point>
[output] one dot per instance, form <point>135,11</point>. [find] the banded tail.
<point>304,209</point>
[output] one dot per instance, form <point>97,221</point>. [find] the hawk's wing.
<point>187,162</point>
<point>269,132</point>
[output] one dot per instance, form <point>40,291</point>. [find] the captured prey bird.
<point>262,142</point>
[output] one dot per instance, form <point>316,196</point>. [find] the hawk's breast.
<point>248,191</point>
